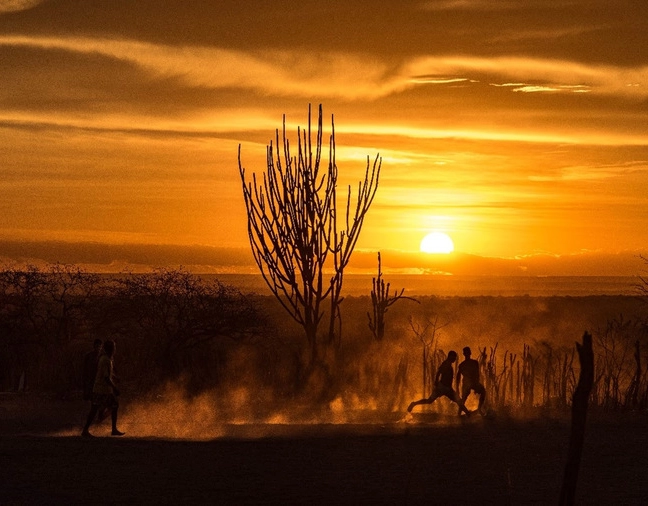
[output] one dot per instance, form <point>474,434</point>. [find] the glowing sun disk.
<point>437,242</point>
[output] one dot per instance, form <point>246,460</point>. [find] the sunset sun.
<point>437,242</point>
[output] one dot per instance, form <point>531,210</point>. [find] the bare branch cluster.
<point>298,241</point>
<point>427,332</point>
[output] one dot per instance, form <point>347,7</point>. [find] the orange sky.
<point>518,128</point>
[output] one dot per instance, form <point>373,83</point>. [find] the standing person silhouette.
<point>443,385</point>
<point>104,392</point>
<point>469,371</point>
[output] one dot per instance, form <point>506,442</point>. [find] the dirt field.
<point>433,459</point>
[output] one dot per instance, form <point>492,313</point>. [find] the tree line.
<point>174,326</point>
<point>163,322</point>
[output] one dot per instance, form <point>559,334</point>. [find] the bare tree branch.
<point>297,243</point>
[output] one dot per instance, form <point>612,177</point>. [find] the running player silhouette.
<point>443,385</point>
<point>469,371</point>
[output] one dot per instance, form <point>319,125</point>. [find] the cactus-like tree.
<point>381,299</point>
<point>298,241</point>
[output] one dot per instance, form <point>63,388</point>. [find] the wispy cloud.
<point>547,73</point>
<point>18,5</point>
<point>592,172</point>
<point>284,73</point>
<point>494,5</point>
<point>530,88</point>
<point>228,122</point>
<point>481,5</point>
<point>548,33</point>
<point>501,134</point>
<point>533,88</point>
<point>440,80</point>
<point>341,75</point>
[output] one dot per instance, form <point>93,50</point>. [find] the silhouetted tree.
<point>177,315</point>
<point>295,232</point>
<point>71,294</point>
<point>427,333</point>
<point>44,313</point>
<point>380,301</point>
<point>22,337</point>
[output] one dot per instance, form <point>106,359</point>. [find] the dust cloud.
<point>525,345</point>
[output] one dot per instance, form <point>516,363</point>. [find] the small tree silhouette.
<point>381,300</point>
<point>179,315</point>
<point>294,231</point>
<point>427,333</point>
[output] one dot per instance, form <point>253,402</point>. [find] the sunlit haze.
<point>517,128</point>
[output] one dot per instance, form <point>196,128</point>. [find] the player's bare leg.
<point>429,400</point>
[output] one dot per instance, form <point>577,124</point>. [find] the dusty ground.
<point>433,459</point>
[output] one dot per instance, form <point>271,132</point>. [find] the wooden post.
<point>579,417</point>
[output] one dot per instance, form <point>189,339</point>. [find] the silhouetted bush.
<point>45,321</point>
<point>167,324</point>
<point>173,327</point>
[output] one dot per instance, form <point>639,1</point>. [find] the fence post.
<point>579,417</point>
